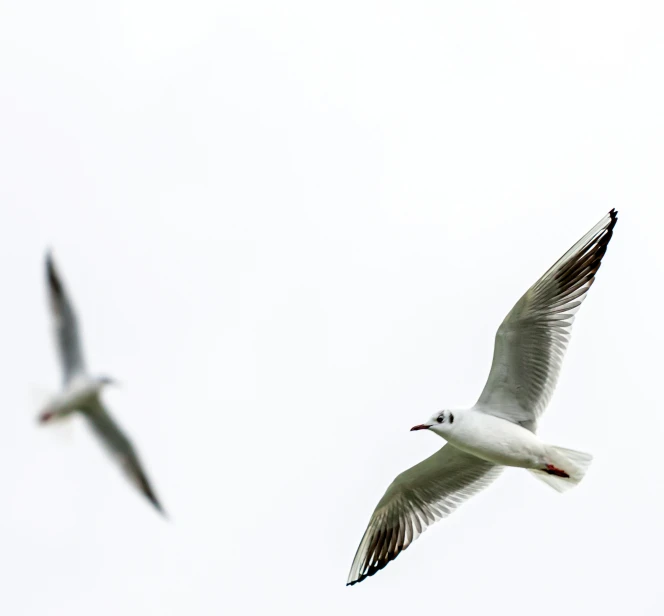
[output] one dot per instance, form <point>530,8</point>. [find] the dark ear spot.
<point>451,418</point>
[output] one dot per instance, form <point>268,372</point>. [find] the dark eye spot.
<point>451,418</point>
<point>441,418</point>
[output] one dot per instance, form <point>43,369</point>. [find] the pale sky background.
<point>291,230</point>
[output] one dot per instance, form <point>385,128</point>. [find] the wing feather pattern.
<point>417,498</point>
<point>531,342</point>
<point>65,324</point>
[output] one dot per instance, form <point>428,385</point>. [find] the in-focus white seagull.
<point>500,429</point>
<point>81,392</point>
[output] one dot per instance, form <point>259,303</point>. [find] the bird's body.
<point>81,392</point>
<point>76,395</point>
<point>500,429</point>
<point>495,440</point>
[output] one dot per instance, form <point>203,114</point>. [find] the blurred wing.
<point>120,448</point>
<point>532,340</point>
<point>417,498</point>
<point>65,325</point>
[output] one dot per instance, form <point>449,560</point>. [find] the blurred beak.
<point>46,416</point>
<point>420,427</point>
<point>107,380</point>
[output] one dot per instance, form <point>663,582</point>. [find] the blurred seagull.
<point>500,429</point>
<point>81,391</point>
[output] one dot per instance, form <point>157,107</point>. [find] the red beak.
<point>420,427</point>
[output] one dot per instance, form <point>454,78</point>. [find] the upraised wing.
<point>65,325</point>
<point>417,498</point>
<point>532,340</point>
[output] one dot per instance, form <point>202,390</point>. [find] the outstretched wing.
<point>65,324</point>
<point>532,340</point>
<point>417,498</point>
<point>120,448</point>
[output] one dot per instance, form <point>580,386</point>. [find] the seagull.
<point>81,392</point>
<point>500,429</point>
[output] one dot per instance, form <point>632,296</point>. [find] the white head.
<point>53,410</point>
<point>441,423</point>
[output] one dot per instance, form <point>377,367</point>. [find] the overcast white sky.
<point>291,230</point>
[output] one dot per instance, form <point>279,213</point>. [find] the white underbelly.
<point>77,397</point>
<point>499,441</point>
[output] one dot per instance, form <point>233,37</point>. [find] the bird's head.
<point>46,415</point>
<point>103,381</point>
<point>50,411</point>
<point>441,423</point>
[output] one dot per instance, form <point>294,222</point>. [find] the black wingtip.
<point>614,217</point>
<point>161,511</point>
<point>152,497</point>
<point>52,276</point>
<point>377,566</point>
<point>613,214</point>
<point>149,493</point>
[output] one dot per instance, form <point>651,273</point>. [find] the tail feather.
<point>574,463</point>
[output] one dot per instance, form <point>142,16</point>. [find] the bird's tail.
<point>565,469</point>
